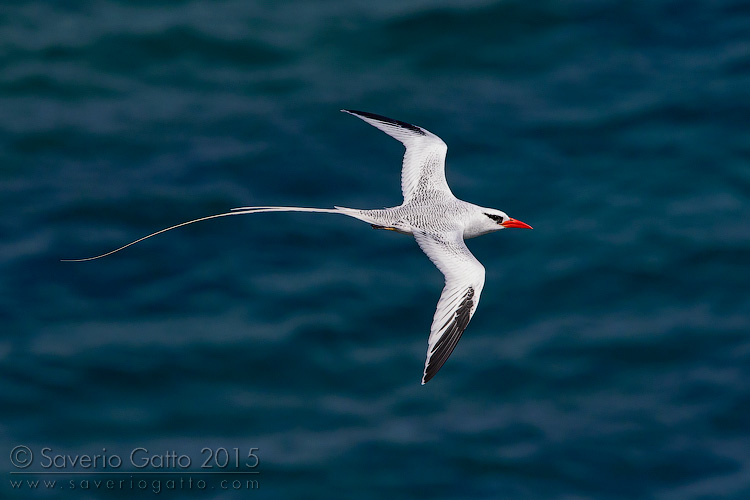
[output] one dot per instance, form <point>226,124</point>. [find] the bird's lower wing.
<point>464,280</point>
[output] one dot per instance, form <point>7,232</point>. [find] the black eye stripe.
<point>497,218</point>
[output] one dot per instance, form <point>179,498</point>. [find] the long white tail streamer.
<point>235,211</point>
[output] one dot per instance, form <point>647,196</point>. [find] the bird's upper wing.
<point>424,159</point>
<point>464,280</point>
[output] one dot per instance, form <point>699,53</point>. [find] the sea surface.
<point>279,356</point>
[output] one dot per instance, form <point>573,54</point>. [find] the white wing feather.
<point>424,159</point>
<point>464,280</point>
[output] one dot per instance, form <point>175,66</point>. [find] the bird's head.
<point>501,219</point>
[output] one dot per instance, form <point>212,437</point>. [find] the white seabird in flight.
<point>439,222</point>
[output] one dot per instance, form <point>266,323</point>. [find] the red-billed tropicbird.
<point>439,222</point>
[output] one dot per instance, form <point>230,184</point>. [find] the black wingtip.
<point>385,119</point>
<point>451,336</point>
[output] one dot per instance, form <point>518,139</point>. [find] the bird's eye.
<point>497,218</point>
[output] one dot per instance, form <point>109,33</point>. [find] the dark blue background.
<point>609,357</point>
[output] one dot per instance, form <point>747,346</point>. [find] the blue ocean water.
<point>609,357</point>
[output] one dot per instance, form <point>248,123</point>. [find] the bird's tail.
<point>235,211</point>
